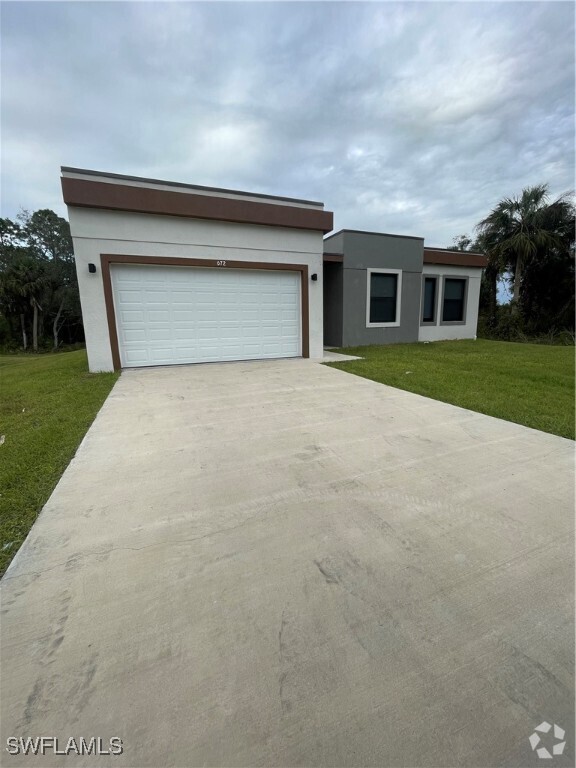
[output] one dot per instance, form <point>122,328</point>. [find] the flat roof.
<point>365,232</point>
<point>179,184</point>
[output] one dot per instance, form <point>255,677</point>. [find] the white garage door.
<point>169,315</point>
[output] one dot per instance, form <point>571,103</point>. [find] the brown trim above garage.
<point>107,259</point>
<point>121,197</point>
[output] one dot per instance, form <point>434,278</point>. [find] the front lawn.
<point>47,403</point>
<point>529,384</point>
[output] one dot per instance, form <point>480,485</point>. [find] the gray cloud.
<point>413,118</point>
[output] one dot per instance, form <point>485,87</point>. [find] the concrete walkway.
<point>281,564</point>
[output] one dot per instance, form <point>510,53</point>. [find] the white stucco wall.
<point>97,231</point>
<point>467,330</point>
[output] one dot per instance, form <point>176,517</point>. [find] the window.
<point>383,306</point>
<point>454,300</point>
<point>429,300</point>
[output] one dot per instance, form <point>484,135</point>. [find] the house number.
<point>220,263</point>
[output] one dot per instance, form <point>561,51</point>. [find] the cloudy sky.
<point>412,118</point>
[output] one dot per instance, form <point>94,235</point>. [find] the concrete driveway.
<point>281,564</point>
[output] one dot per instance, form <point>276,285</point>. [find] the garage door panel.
<point>157,297</point>
<point>207,334</point>
<point>131,316</point>
<point>183,315</point>
<point>208,353</point>
<point>190,343</point>
<point>249,315</point>
<point>168,315</point>
<point>251,349</point>
<point>230,336</point>
<point>159,334</point>
<point>207,311</point>
<point>131,297</point>
<point>251,332</point>
<point>186,333</point>
<point>183,355</point>
<point>182,298</point>
<point>137,357</point>
<point>228,315</point>
<point>138,334</point>
<point>157,316</point>
<point>270,331</point>
<point>271,315</point>
<point>161,356</point>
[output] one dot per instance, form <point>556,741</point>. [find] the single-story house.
<point>176,273</point>
<point>386,289</point>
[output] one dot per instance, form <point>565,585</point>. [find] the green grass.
<point>529,384</point>
<point>47,403</point>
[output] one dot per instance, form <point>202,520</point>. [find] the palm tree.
<point>519,230</point>
<point>22,284</point>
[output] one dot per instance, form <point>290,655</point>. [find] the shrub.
<point>510,326</point>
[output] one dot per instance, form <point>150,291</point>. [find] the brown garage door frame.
<point>106,259</point>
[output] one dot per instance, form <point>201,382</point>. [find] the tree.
<point>11,242</point>
<point>38,284</point>
<point>529,243</point>
<point>462,243</point>
<point>62,297</point>
<point>22,283</point>
<point>525,230</point>
<point>47,236</point>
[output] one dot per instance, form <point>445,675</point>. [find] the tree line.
<point>39,299</point>
<point>529,242</point>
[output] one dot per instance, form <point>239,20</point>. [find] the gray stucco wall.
<point>354,330</point>
<point>333,303</point>
<point>369,250</point>
<point>334,243</point>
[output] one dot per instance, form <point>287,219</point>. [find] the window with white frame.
<point>429,300</point>
<point>383,297</point>
<point>454,300</point>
